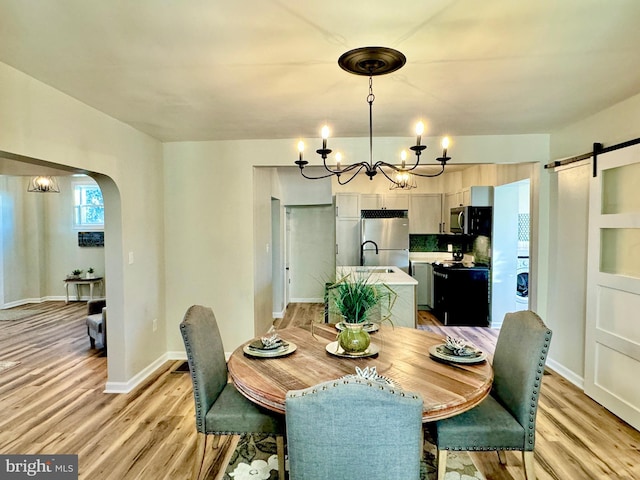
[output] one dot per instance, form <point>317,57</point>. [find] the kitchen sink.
<point>377,270</point>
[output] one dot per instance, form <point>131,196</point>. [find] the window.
<point>88,206</point>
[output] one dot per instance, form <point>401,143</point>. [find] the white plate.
<point>368,327</point>
<point>438,352</point>
<point>335,349</point>
<point>276,352</point>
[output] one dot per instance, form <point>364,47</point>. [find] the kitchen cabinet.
<point>425,213</point>
<point>347,205</point>
<point>347,229</point>
<point>384,202</point>
<point>347,241</point>
<point>450,200</point>
<point>480,196</point>
<point>423,273</point>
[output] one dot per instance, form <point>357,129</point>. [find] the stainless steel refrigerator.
<point>384,239</point>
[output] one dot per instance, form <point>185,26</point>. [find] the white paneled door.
<point>612,348</point>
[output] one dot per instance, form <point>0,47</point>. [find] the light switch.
<point>130,258</point>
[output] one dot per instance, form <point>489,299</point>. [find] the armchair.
<point>97,322</point>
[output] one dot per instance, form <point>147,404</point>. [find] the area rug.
<point>6,365</point>
<point>255,459</point>
<point>17,314</point>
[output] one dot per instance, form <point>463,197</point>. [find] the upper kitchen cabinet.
<point>481,196</point>
<point>347,205</point>
<point>384,202</point>
<point>425,213</point>
<point>450,200</point>
<point>477,197</point>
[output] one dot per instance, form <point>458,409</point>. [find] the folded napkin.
<point>371,374</point>
<point>268,343</point>
<point>460,348</point>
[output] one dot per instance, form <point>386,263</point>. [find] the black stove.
<point>461,293</point>
<point>458,264</point>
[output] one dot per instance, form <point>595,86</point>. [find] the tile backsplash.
<point>439,243</point>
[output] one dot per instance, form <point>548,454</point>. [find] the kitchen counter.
<point>403,312</point>
<point>430,257</point>
<point>388,275</point>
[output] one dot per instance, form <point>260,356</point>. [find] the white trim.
<point>307,300</point>
<point>126,387</point>
<point>565,373</point>
<point>278,314</point>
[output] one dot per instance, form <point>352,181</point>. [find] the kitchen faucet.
<point>362,250</point>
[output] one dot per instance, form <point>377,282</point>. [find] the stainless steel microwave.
<point>470,220</point>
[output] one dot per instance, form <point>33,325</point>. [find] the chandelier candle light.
<point>373,61</point>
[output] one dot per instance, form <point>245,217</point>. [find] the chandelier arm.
<point>430,175</point>
<point>361,165</point>
<point>353,166</point>
<point>315,178</point>
<point>379,164</point>
<point>380,167</point>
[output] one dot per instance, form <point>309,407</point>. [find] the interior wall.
<point>565,243</point>
<point>23,232</point>
<point>214,263</point>
<point>263,185</point>
<point>60,242</point>
<point>54,129</point>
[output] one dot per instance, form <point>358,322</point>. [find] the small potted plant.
<point>90,271</point>
<point>354,297</point>
<point>75,274</point>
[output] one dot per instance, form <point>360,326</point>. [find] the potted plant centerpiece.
<point>90,271</point>
<point>354,297</point>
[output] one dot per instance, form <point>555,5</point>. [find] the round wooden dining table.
<point>447,389</point>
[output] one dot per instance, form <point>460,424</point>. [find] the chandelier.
<point>373,61</point>
<point>43,184</point>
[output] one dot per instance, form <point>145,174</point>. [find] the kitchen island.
<point>403,312</point>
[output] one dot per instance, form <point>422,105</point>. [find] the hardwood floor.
<point>53,402</point>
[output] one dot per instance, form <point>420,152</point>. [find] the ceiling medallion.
<point>371,62</point>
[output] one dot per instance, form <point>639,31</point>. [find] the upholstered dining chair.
<point>506,419</point>
<point>353,428</point>
<point>220,408</point>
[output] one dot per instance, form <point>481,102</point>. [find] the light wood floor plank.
<point>54,403</point>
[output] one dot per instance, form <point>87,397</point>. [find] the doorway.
<point>510,250</point>
<point>277,264</point>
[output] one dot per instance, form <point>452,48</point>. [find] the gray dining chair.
<point>220,409</point>
<point>506,419</point>
<point>353,428</point>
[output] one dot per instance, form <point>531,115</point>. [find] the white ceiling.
<point>213,69</point>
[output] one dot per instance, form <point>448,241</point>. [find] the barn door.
<point>612,348</point>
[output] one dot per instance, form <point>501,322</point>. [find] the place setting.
<point>457,350</point>
<point>269,347</point>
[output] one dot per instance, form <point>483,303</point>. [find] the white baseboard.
<point>278,314</point>
<point>50,298</point>
<point>572,377</point>
<point>126,387</point>
<point>306,300</point>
